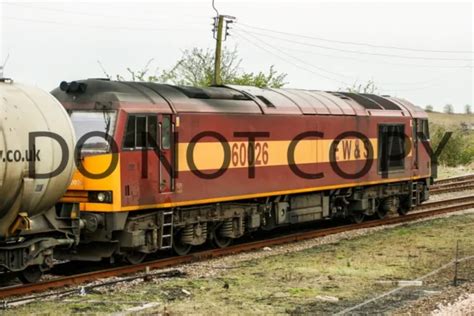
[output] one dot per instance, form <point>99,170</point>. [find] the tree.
<point>368,87</point>
<point>448,109</point>
<point>467,109</point>
<point>196,68</point>
<point>429,108</point>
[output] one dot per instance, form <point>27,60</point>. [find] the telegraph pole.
<point>217,59</point>
<point>220,35</point>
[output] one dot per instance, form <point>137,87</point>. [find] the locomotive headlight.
<point>100,196</point>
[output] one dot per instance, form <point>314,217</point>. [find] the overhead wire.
<point>356,51</point>
<point>239,35</point>
<point>358,43</point>
<point>302,61</point>
<point>382,62</point>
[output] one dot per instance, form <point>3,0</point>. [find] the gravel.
<point>464,305</point>
<point>452,301</point>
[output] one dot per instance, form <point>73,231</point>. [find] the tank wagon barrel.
<point>36,145</point>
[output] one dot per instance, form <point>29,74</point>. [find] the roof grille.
<point>212,93</point>
<point>362,100</point>
<point>386,104</point>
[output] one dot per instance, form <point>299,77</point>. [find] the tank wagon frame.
<point>219,162</point>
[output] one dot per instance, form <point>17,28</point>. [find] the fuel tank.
<point>36,153</point>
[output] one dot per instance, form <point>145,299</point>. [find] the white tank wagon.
<point>36,167</point>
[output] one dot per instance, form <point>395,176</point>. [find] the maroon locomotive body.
<point>187,165</point>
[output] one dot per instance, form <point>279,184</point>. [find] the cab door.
<point>166,143</point>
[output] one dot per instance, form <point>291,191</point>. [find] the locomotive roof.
<point>132,96</point>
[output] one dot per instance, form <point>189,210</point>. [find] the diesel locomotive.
<point>171,167</point>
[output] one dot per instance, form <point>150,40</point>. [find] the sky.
<point>420,51</point>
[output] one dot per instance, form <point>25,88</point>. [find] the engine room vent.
<point>386,104</point>
<point>212,93</point>
<point>363,100</point>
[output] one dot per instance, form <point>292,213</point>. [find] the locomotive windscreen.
<point>87,123</point>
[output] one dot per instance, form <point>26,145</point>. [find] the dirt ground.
<point>324,279</point>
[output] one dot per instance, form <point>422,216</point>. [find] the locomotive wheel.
<point>180,248</point>
<point>381,213</point>
<point>405,206</point>
<point>220,241</point>
<point>135,257</point>
<point>32,274</point>
<point>357,218</point>
<point>402,210</point>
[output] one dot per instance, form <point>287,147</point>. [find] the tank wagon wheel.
<point>180,248</point>
<point>135,257</point>
<point>218,240</point>
<point>31,274</point>
<point>357,217</point>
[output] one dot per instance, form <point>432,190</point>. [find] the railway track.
<point>455,179</point>
<point>423,211</point>
<point>454,184</point>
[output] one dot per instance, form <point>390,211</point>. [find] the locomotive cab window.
<point>165,132</point>
<point>391,147</point>
<point>87,122</point>
<point>423,128</point>
<point>141,132</point>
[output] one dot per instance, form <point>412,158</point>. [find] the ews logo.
<point>351,149</point>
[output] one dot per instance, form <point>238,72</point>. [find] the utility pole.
<point>217,60</point>
<point>220,36</point>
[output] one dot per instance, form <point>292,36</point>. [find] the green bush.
<point>459,150</point>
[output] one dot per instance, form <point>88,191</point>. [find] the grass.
<point>450,120</point>
<point>347,271</point>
